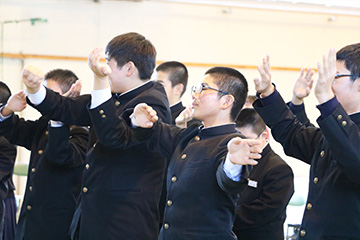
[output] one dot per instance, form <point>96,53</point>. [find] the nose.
<point>194,95</point>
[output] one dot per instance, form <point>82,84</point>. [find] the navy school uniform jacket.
<point>201,199</point>
<point>121,187</point>
<point>54,175</point>
<point>333,150</point>
<point>261,209</point>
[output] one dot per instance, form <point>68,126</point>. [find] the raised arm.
<point>297,141</point>
<point>53,105</point>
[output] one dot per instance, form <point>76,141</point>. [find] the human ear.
<point>179,88</point>
<point>130,67</point>
<point>229,100</point>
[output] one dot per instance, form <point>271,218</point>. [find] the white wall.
<point>182,32</point>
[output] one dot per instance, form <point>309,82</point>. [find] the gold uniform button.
<point>166,226</point>
<point>183,156</point>
<point>339,117</point>
<point>101,111</point>
<point>316,179</point>
<point>85,189</point>
<point>47,133</point>
<point>197,138</point>
<point>33,169</point>
<point>117,103</point>
<point>103,116</point>
<point>322,153</point>
<point>28,207</point>
<point>30,188</point>
<point>40,152</point>
<point>173,179</point>
<point>302,232</point>
<point>87,166</point>
<point>343,123</point>
<point>309,206</point>
<point>169,203</point>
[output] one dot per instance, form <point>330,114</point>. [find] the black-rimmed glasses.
<point>198,89</point>
<point>345,75</point>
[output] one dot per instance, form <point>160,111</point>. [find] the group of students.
<point>99,161</point>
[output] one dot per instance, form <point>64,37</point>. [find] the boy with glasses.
<point>333,150</point>
<point>206,169</point>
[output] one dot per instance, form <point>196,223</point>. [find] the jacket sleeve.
<point>227,184</point>
<point>66,145</point>
<point>67,110</point>
<point>343,137</point>
<point>300,114</point>
<point>272,200</point>
<point>297,140</point>
<point>18,131</point>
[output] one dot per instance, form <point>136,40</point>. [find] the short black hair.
<point>232,81</point>
<point>177,71</point>
<point>135,48</point>
<point>351,55</point>
<point>248,117</point>
<point>65,78</point>
<point>5,93</point>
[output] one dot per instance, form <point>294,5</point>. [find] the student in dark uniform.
<point>333,150</point>
<point>55,168</point>
<point>174,77</point>
<point>7,196</point>
<point>261,209</point>
<point>121,188</point>
<point>205,171</point>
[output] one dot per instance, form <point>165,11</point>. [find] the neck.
<point>128,85</point>
<point>216,122</point>
<point>134,83</point>
<point>173,101</point>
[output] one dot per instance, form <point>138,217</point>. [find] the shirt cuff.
<point>269,99</point>
<point>296,108</point>
<point>328,107</point>
<point>100,96</point>
<point>134,123</point>
<point>56,123</point>
<point>3,118</point>
<point>233,171</point>
<point>38,97</point>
